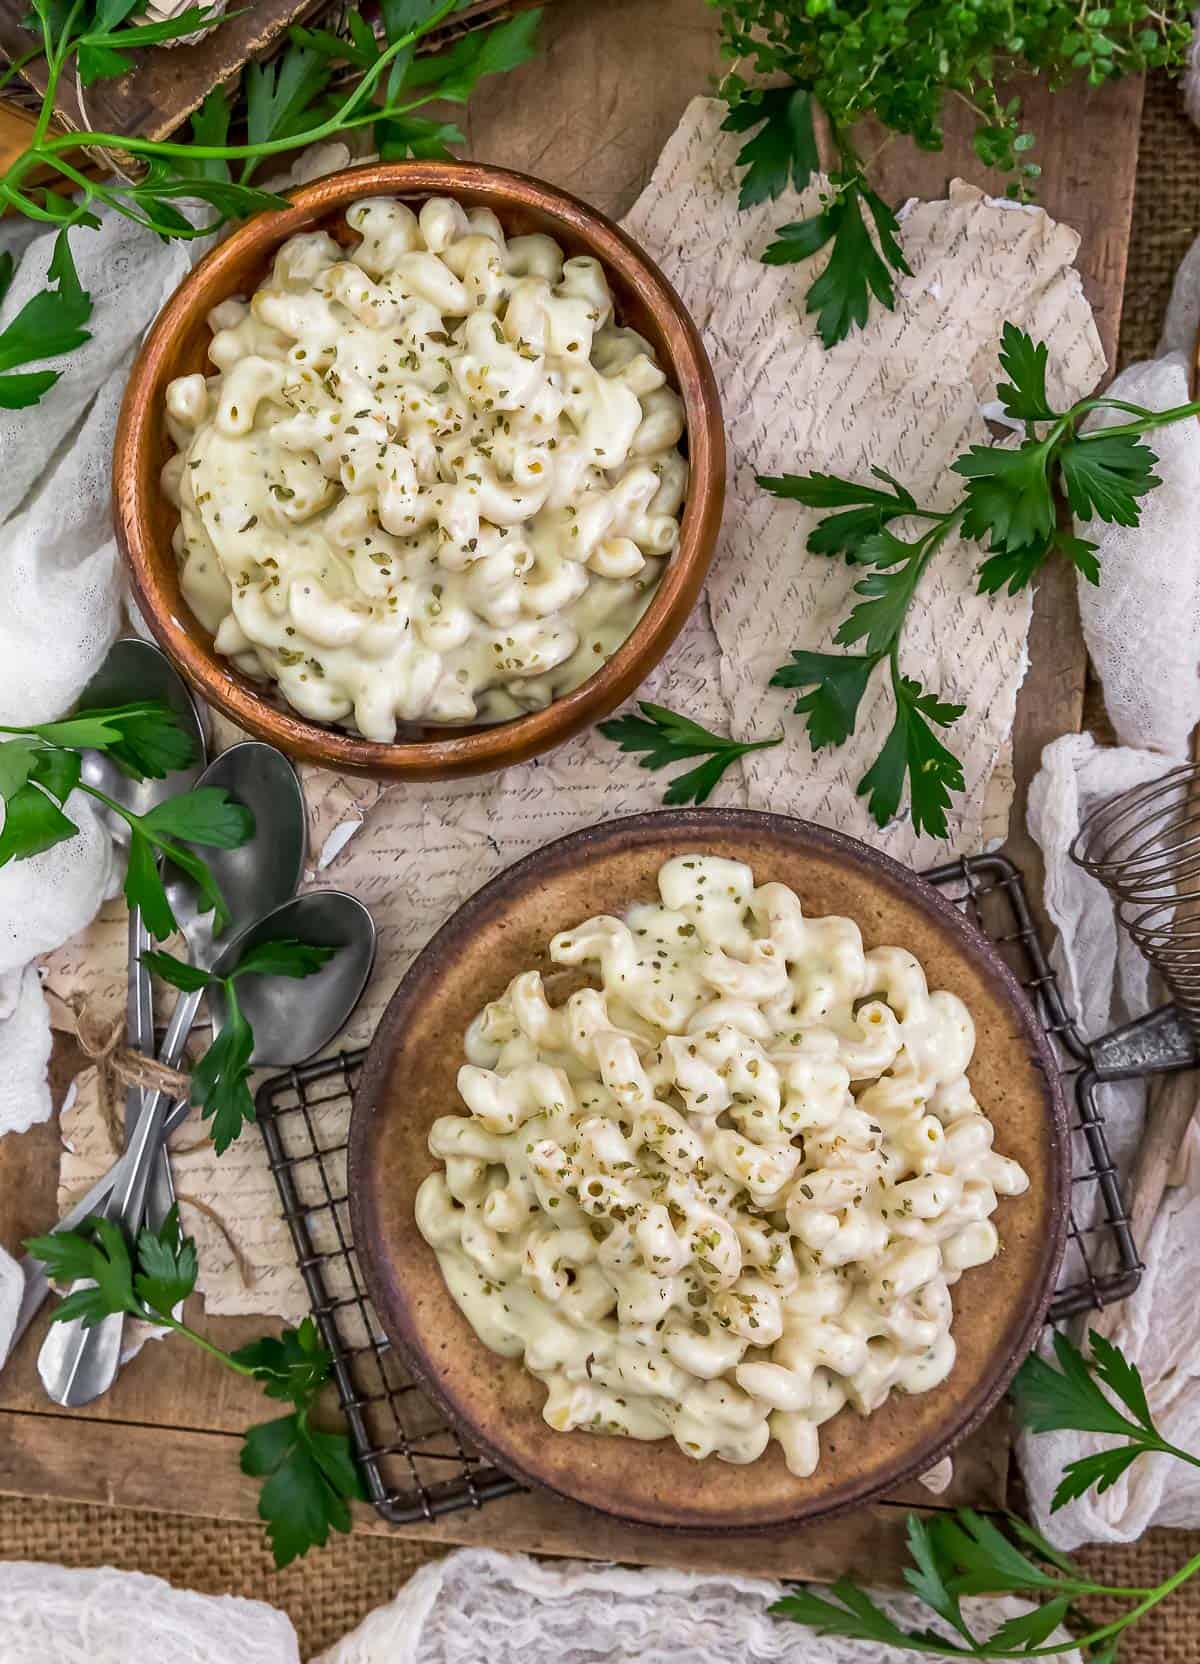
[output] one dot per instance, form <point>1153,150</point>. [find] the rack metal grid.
<point>416,1466</point>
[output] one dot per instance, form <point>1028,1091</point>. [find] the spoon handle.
<point>76,1364</point>
<point>37,1284</point>
<point>139,1029</point>
<point>139,1033</point>
<point>128,1198</point>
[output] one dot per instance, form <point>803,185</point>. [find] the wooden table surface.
<point>591,115</point>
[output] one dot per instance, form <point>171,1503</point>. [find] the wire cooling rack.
<point>416,1466</point>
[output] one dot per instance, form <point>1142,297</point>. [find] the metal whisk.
<point>1144,847</point>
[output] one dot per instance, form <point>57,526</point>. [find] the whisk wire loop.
<point>1144,847</point>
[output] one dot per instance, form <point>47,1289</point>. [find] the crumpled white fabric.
<point>513,1610</point>
<point>49,1615</point>
<point>46,898</point>
<point>62,592</point>
<point>1142,621</point>
<point>25,1047</point>
<point>43,902</point>
<point>63,589</point>
<point>474,1604</point>
<point>1142,625</point>
<point>158,10</point>
<point>12,1287</point>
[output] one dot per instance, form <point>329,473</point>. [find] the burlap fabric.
<point>330,1591</point>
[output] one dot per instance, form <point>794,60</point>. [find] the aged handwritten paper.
<point>905,394</point>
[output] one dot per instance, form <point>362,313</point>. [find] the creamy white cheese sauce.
<point>430,480</point>
<point>725,1192</point>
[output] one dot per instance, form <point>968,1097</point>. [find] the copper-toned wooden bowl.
<point>178,344</point>
<point>409,1080</point>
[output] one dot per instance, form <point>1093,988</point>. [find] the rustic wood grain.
<point>168,84</point>
<point>182,1471</point>
<point>591,116</point>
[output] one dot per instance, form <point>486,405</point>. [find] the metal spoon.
<point>78,1364</point>
<point>136,669</point>
<point>294,1018</point>
<point>330,918</point>
<point>327,917</point>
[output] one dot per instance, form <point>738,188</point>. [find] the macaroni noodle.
<point>431,480</point>
<point>726,1192</point>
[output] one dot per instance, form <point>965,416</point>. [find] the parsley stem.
<point>176,850</point>
<point>127,815</point>
<point>1167,1449</point>
<point>56,57</point>
<point>269,147</point>
<point>1152,419</point>
<point>1152,1598</point>
<point>152,1315</point>
<point>48,151</point>
<point>928,546</point>
<point>27,206</point>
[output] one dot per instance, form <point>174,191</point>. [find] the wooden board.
<point>592,115</point>
<point>168,83</point>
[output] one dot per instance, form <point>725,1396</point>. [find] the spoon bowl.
<point>136,669</point>
<point>294,1018</point>
<point>264,871</point>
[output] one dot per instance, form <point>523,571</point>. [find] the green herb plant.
<point>40,766</point>
<point>320,87</point>
<point>667,738</point>
<point>899,63</point>
<point>309,1475</point>
<point>965,1553</point>
<point>220,1080</point>
<point>49,324</point>
<point>1008,508</point>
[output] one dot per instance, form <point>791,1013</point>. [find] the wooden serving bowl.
<point>409,1080</point>
<point>178,345</point>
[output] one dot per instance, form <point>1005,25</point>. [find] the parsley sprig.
<point>309,1475</point>
<point>40,766</point>
<point>665,737</point>
<point>964,1553</point>
<point>220,1081</point>
<point>300,98</point>
<point>855,58</point>
<point>783,151</point>
<point>48,325</point>
<point>1071,1396</point>
<point>1009,507</point>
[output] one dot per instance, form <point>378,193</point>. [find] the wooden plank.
<point>180,1471</point>
<point>591,115</point>
<point>167,84</point>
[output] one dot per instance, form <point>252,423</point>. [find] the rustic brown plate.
<point>409,1080</point>
<point>178,345</point>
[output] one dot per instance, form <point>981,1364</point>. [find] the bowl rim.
<point>368,1235</point>
<point>135,480</point>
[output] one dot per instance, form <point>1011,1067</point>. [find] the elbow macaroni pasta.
<point>727,1192</point>
<point>431,479</point>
